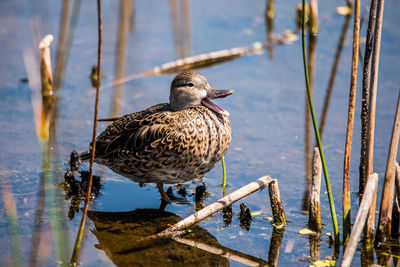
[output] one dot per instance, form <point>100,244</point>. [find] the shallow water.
<point>267,117</point>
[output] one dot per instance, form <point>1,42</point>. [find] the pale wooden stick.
<point>314,214</point>
<point>360,219</point>
<point>224,252</point>
<point>216,206</point>
<point>385,213</point>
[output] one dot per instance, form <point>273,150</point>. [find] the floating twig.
<point>314,213</point>
<point>385,213</point>
<point>360,219</point>
<point>350,123</point>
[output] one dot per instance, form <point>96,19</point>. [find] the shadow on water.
<point>120,236</point>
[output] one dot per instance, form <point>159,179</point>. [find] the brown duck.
<point>170,142</point>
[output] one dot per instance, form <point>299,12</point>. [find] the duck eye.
<point>190,84</point>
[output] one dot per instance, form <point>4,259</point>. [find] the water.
<point>267,117</point>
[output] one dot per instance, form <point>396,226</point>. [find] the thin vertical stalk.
<point>75,254</point>
<point>350,123</point>
<point>385,213</point>
<point>328,186</point>
<point>365,97</point>
<point>223,173</point>
<point>372,110</point>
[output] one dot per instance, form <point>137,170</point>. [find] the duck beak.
<point>214,93</point>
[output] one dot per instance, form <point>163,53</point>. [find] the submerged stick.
<point>350,123</point>
<point>74,258</point>
<point>385,213</point>
<point>372,110</point>
<point>327,182</point>
<point>360,219</point>
<point>216,206</point>
<point>314,214</point>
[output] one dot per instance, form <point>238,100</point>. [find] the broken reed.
<point>327,182</point>
<point>314,213</point>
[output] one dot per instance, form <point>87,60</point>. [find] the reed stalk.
<point>385,213</point>
<point>350,122</point>
<point>75,255</point>
<point>328,186</point>
<point>366,92</point>
<point>371,117</point>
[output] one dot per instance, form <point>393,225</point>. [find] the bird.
<point>168,143</point>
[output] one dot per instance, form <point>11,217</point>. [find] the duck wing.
<point>133,132</point>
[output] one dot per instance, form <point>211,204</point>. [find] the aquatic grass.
<point>328,186</point>
<point>223,175</point>
<point>346,205</point>
<point>75,254</point>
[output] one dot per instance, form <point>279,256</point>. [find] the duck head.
<point>191,89</point>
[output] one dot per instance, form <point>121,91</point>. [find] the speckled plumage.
<point>166,144</point>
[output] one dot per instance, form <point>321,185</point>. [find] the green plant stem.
<point>223,172</point>
<point>328,186</point>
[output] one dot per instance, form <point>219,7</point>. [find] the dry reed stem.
<point>350,123</point>
<point>366,92</point>
<point>314,214</point>
<point>372,110</point>
<point>360,220</point>
<point>385,213</point>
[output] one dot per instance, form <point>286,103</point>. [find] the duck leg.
<point>164,196</point>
